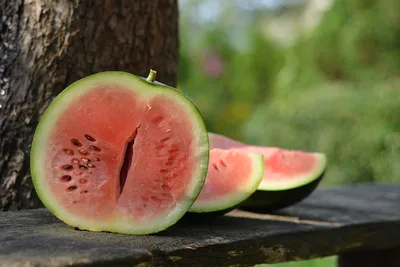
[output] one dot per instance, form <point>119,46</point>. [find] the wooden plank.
<point>36,238</point>
<point>350,204</point>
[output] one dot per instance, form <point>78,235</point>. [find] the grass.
<point>319,262</point>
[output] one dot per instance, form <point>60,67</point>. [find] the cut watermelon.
<point>289,175</point>
<point>116,152</point>
<point>232,177</point>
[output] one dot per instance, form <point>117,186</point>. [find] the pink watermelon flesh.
<point>226,173</point>
<point>122,158</point>
<point>231,178</point>
<point>282,167</point>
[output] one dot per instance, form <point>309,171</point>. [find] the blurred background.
<point>314,75</point>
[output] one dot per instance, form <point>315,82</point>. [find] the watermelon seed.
<point>215,167</point>
<point>88,137</point>
<point>170,177</point>
<point>155,187</point>
<point>77,172</point>
<point>160,146</point>
<point>172,150</point>
<point>85,160</point>
<point>75,161</point>
<point>156,199</point>
<point>95,148</point>
<point>171,158</point>
<point>90,165</point>
<point>96,159</point>
<point>84,168</point>
<point>222,163</point>
<point>68,151</point>
<point>165,139</point>
<point>72,188</point>
<point>168,130</point>
<point>166,195</point>
<point>67,167</point>
<point>82,181</point>
<point>76,142</point>
<point>158,119</point>
<point>84,192</point>
<point>66,178</point>
<point>165,187</point>
<point>83,151</point>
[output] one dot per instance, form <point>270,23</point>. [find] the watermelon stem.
<point>152,76</point>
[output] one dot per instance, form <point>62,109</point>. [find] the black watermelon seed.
<point>67,167</point>
<point>95,148</point>
<point>90,138</point>
<point>76,142</point>
<point>72,187</point>
<point>66,178</point>
<point>83,167</point>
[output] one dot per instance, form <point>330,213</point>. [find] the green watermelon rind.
<point>297,181</point>
<point>237,197</point>
<point>143,87</point>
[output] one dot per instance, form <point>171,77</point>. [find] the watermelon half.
<point>120,153</point>
<point>289,175</point>
<point>232,177</point>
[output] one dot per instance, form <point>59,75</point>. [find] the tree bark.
<point>45,45</point>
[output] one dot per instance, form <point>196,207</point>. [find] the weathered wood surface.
<point>351,204</point>
<point>329,222</point>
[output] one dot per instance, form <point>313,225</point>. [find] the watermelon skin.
<point>118,224</point>
<point>194,218</point>
<point>271,196</point>
<point>266,201</point>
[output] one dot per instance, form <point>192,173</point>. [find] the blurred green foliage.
<point>228,98</point>
<point>334,88</point>
<point>325,262</point>
<point>358,129</point>
<point>355,41</point>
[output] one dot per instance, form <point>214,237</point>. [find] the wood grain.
<point>237,239</point>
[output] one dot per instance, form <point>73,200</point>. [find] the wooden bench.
<point>361,223</point>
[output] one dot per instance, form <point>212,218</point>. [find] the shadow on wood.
<point>370,258</point>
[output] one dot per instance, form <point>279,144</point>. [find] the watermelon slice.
<point>119,153</point>
<point>289,175</point>
<point>232,177</point>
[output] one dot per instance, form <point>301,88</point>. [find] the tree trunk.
<point>45,45</point>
